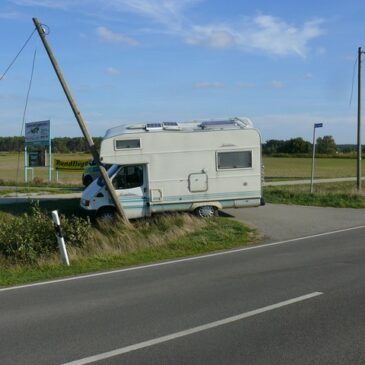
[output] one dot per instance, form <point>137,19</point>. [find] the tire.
<point>206,211</point>
<point>87,180</point>
<point>106,214</point>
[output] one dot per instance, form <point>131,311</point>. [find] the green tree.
<point>326,145</point>
<point>272,146</point>
<point>296,145</point>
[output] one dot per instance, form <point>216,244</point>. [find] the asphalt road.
<point>281,222</point>
<point>293,302</point>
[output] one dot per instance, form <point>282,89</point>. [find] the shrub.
<point>31,236</point>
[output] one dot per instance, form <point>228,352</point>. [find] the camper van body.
<point>196,166</point>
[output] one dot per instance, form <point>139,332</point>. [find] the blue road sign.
<point>318,125</point>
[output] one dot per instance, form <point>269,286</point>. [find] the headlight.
<point>85,203</point>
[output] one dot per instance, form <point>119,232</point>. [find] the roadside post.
<point>316,125</point>
<point>60,239</point>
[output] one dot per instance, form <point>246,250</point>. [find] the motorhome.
<point>200,166</point>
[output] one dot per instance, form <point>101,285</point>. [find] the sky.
<point>284,64</point>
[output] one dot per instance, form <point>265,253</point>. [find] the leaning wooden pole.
<point>82,124</point>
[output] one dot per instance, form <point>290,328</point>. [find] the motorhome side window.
<point>122,144</point>
<point>128,177</point>
<point>234,160</point>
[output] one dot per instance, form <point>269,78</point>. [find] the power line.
<point>17,55</point>
<point>353,80</point>
<point>25,110</point>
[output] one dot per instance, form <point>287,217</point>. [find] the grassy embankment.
<point>339,194</point>
<point>112,246</point>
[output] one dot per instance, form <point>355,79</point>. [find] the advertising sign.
<point>70,164</point>
<point>37,132</point>
<point>36,159</point>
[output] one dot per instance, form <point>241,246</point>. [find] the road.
<point>292,302</point>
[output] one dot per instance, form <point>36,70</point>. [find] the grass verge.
<point>337,195</point>
<point>111,247</point>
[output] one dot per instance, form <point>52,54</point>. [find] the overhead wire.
<point>17,55</point>
<point>353,81</point>
<point>24,115</point>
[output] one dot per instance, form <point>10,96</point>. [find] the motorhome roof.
<point>196,125</point>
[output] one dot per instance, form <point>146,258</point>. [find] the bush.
<point>31,237</point>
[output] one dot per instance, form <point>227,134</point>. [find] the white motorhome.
<point>200,166</point>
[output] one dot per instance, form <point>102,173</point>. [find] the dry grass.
<point>12,168</point>
<point>117,239</point>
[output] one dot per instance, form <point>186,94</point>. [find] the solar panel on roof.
<point>153,126</point>
<point>170,125</point>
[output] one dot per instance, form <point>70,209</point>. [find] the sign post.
<point>37,134</point>
<point>316,125</point>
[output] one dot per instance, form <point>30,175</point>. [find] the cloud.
<point>208,85</point>
<point>262,32</point>
<point>112,71</point>
<point>211,37</point>
<point>106,35</point>
<point>54,4</point>
<point>275,84</point>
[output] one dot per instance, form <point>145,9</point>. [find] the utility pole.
<point>359,86</point>
<point>81,123</point>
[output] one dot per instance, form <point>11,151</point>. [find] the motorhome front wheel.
<point>206,211</point>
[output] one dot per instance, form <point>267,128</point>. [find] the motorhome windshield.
<point>110,173</point>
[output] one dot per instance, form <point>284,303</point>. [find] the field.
<point>12,168</point>
<point>281,168</point>
<point>275,168</point>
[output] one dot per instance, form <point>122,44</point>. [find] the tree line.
<point>324,145</point>
<point>59,144</point>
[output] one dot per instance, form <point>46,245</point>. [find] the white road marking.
<point>171,262</point>
<point>204,327</point>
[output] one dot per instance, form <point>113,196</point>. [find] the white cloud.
<point>208,85</point>
<point>54,4</point>
<point>112,71</point>
<point>276,84</point>
<point>263,32</point>
<point>214,37</point>
<point>106,35</point>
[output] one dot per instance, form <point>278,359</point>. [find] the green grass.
<point>338,195</point>
<point>216,234</point>
<point>281,168</point>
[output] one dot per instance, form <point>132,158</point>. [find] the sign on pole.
<point>316,125</point>
<point>37,132</point>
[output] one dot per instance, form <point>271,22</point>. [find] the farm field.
<point>12,168</point>
<point>283,168</point>
<point>275,168</point>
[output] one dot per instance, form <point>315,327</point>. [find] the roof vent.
<point>214,124</point>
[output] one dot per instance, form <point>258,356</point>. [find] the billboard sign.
<point>36,159</point>
<point>37,132</point>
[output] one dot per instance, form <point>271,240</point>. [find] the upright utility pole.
<point>359,86</point>
<point>81,122</point>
